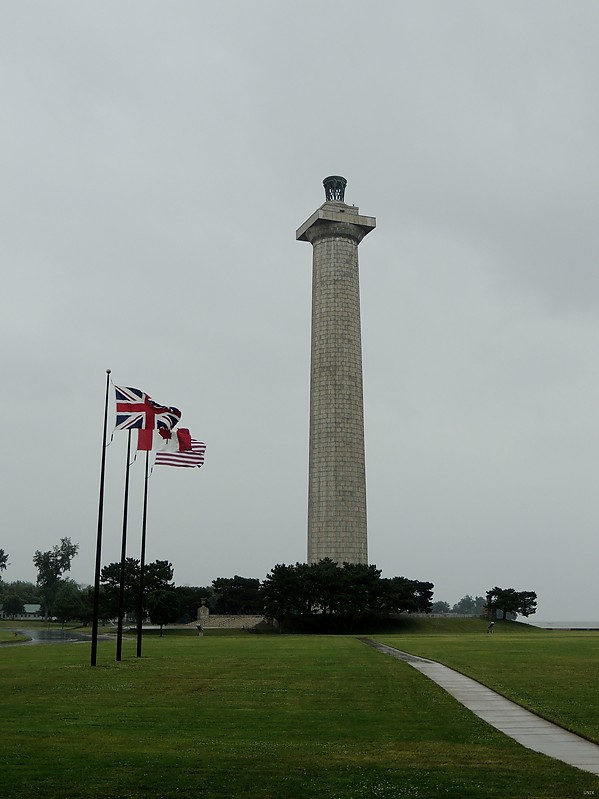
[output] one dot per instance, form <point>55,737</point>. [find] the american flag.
<point>136,410</point>
<point>188,459</point>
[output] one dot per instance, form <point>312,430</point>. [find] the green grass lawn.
<point>555,674</point>
<point>266,717</point>
<point>8,636</point>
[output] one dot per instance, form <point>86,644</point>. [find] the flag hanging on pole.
<point>136,410</point>
<point>178,440</point>
<point>181,450</point>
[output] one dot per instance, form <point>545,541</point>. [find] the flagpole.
<point>119,633</point>
<point>142,560</point>
<point>96,607</point>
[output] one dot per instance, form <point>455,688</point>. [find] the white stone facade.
<point>337,526</point>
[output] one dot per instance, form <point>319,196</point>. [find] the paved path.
<point>521,725</point>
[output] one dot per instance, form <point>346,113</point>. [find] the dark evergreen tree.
<point>511,602</point>
<point>470,606</point>
<point>158,575</point>
<point>327,597</point>
<point>29,592</point>
<point>163,607</point>
<point>68,602</point>
<point>13,605</point>
<point>237,595</point>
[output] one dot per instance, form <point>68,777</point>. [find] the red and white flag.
<point>180,449</point>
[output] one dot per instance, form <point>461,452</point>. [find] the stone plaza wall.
<point>241,622</point>
<point>232,622</point>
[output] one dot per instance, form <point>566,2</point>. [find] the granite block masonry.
<point>337,526</point>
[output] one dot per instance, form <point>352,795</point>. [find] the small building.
<point>30,611</point>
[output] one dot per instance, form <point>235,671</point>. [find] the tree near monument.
<point>51,566</point>
<point>163,607</point>
<point>423,591</point>
<point>359,590</point>
<point>528,603</point>
<point>286,592</point>
<point>508,600</point>
<point>158,575</point>
<point>327,597</point>
<point>237,595</point>
<point>402,595</point>
<point>470,606</point>
<point>325,585</point>
<point>110,578</point>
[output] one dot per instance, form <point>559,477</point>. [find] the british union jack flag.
<point>136,410</point>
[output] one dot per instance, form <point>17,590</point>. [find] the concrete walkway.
<point>521,725</point>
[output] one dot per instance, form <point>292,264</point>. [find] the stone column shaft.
<point>337,526</point>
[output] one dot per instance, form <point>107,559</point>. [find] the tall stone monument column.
<point>337,475</point>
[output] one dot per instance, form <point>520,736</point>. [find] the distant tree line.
<point>467,605</point>
<point>322,596</point>
<point>507,601</point>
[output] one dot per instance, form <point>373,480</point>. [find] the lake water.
<point>563,625</point>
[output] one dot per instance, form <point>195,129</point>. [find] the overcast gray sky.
<point>156,160</point>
